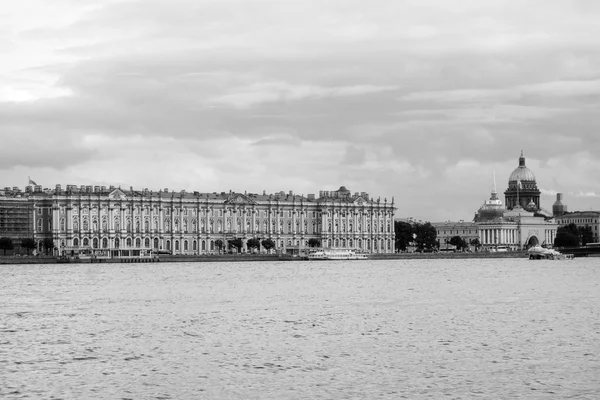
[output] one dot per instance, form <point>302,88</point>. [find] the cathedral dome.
<point>521,173</point>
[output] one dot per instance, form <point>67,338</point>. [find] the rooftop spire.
<point>522,160</point>
<point>494,191</point>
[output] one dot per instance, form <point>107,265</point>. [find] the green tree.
<point>476,243</point>
<point>459,242</point>
<point>268,244</point>
<point>28,244</point>
<point>48,244</point>
<point>425,236</point>
<point>237,243</point>
<point>313,242</point>
<point>586,235</point>
<point>403,231</point>
<point>6,244</point>
<point>219,244</point>
<point>253,244</point>
<point>567,236</point>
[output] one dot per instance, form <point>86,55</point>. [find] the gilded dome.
<point>521,173</point>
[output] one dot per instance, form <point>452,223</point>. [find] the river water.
<point>414,329</point>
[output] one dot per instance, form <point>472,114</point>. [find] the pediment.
<point>238,198</point>
<point>117,194</point>
<point>359,201</point>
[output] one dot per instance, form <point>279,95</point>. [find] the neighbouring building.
<point>16,216</point>
<point>190,223</point>
<point>582,219</point>
<point>447,230</point>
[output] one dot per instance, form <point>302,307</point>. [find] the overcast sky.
<point>418,100</point>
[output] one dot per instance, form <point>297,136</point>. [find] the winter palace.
<point>191,223</point>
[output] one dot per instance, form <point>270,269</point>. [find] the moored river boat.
<point>541,253</point>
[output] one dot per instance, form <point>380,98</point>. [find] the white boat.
<point>540,253</point>
<point>336,254</point>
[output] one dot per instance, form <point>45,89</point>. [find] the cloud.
<point>417,100</point>
<point>270,92</point>
<point>509,94</point>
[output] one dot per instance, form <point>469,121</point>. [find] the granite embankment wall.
<point>264,257</point>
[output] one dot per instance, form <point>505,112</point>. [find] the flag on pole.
<point>32,182</point>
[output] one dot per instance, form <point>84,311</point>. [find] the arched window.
<point>147,242</point>
<point>39,224</point>
<point>117,243</point>
<point>86,242</point>
<point>75,242</point>
<point>95,243</point>
<point>63,224</point>
<point>177,245</point>
<point>128,242</point>
<point>156,243</point>
<point>168,245</point>
<point>185,245</point>
<point>195,245</point>
<point>138,243</point>
<point>203,245</point>
<point>104,243</point>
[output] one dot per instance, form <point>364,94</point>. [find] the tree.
<point>48,244</point>
<point>28,244</point>
<point>268,244</point>
<point>475,242</point>
<point>6,244</point>
<point>253,243</point>
<point>586,234</point>
<point>237,243</point>
<point>567,236</point>
<point>219,244</point>
<point>403,231</point>
<point>425,236</point>
<point>313,242</point>
<point>459,242</point>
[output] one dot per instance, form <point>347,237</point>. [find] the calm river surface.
<point>415,329</point>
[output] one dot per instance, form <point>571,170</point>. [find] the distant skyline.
<point>421,100</point>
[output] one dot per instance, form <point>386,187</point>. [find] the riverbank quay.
<point>260,257</point>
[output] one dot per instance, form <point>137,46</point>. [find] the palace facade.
<point>192,223</point>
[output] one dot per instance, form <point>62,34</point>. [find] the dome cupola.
<point>521,173</point>
<point>522,188</point>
